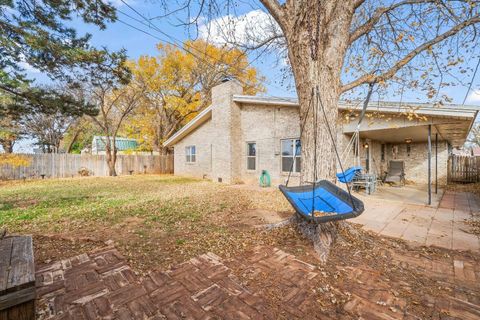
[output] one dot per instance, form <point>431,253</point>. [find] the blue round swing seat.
<point>323,196</point>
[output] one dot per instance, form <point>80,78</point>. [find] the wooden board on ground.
<point>17,278</point>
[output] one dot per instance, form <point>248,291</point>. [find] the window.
<point>251,156</point>
<point>191,154</point>
<point>291,152</point>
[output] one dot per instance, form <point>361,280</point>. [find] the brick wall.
<point>416,164</point>
<point>221,144</point>
<point>266,126</point>
<point>200,139</point>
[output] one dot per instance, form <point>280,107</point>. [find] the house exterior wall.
<point>221,144</point>
<point>202,139</point>
<point>226,125</point>
<point>267,126</point>
<point>416,164</point>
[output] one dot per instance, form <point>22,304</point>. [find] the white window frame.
<point>249,156</point>
<point>189,154</point>
<point>294,156</point>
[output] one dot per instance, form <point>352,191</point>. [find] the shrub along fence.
<point>58,165</point>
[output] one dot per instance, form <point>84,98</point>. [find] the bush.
<point>15,160</point>
<point>84,172</point>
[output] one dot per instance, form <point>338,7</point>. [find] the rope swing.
<point>322,201</point>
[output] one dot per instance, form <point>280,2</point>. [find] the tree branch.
<point>357,4</point>
<point>371,78</point>
<point>276,10</point>
<point>377,15</point>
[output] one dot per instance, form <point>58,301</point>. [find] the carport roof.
<point>448,110</point>
<point>452,122</point>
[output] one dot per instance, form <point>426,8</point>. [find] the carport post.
<point>436,162</point>
<point>429,164</point>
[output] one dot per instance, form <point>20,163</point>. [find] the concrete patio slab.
<point>411,194</point>
<point>443,226</point>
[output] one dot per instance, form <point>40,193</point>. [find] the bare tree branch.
<point>276,10</point>
<point>377,15</point>
<point>371,78</point>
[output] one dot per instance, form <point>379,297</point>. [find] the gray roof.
<point>455,110</point>
<point>463,112</point>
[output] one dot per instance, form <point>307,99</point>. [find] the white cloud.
<point>474,97</point>
<point>120,3</point>
<point>250,29</point>
<point>26,66</point>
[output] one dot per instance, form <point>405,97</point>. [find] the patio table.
<point>367,181</point>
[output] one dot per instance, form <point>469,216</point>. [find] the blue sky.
<point>118,36</point>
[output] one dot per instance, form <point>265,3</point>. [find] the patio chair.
<point>396,172</point>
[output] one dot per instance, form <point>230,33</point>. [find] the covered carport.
<point>424,133</point>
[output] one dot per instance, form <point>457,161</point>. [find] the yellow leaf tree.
<point>178,85</point>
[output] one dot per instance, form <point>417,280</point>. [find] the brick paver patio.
<point>269,283</point>
<point>445,226</point>
<point>100,285</point>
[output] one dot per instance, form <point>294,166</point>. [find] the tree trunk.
<point>317,34</point>
<point>163,151</point>
<point>7,146</point>
<point>72,142</point>
<point>317,38</point>
<point>111,155</point>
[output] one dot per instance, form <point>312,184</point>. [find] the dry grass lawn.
<point>160,221</point>
<point>154,220</point>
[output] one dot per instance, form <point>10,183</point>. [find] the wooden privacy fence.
<point>463,169</point>
<point>57,165</point>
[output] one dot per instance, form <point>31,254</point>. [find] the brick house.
<point>238,136</point>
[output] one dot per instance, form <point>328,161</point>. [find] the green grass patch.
<point>160,200</point>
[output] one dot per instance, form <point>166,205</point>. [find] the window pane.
<point>297,164</point>
<point>193,157</point>
<point>251,163</point>
<point>252,149</point>
<point>188,158</point>
<point>287,164</point>
<point>298,145</point>
<point>187,151</point>
<point>193,150</point>
<point>287,148</point>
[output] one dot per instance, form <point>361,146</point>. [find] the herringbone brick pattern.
<point>102,285</point>
<point>272,284</point>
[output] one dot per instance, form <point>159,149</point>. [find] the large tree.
<point>36,34</point>
<point>337,46</point>
<point>372,39</point>
<point>334,47</point>
<point>115,106</point>
<point>178,85</point>
<point>48,129</point>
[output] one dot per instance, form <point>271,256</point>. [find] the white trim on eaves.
<point>450,110</point>
<point>190,126</point>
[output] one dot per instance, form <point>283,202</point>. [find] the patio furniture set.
<point>368,181</point>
